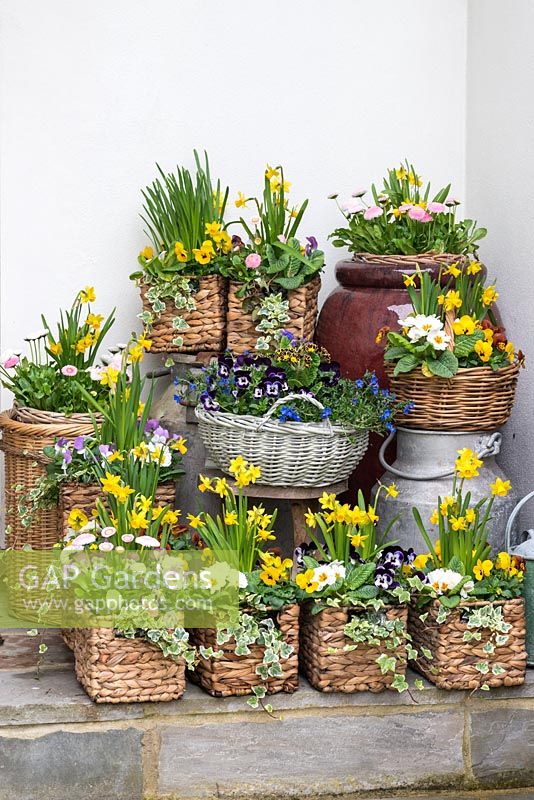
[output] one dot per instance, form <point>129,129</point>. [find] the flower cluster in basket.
<point>183,271</point>
<point>403,218</point>
<point>451,325</point>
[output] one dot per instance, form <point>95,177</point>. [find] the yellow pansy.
<point>484,350</point>
<point>482,569</point>
<point>510,352</point>
<point>147,253</point>
<point>503,561</point>
<point>180,252</point>
<point>201,256</point>
<point>465,324</point>
<point>77,519</point>
<point>500,488</point>
<point>305,581</point>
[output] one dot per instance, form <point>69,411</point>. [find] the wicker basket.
<point>84,495</point>
<point>476,399</point>
<point>289,453</point>
<point>113,669</point>
<point>23,443</point>
<point>411,262</point>
<point>241,327</point>
<point>232,675</point>
<point>344,671</point>
<point>452,665</point>
<point>207,323</point>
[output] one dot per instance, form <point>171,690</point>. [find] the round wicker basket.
<point>289,453</point>
<point>410,262</point>
<point>23,443</point>
<point>207,323</point>
<point>476,399</point>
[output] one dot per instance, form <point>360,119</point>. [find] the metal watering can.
<point>526,551</point>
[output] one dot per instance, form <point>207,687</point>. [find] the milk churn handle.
<point>488,447</point>
<point>511,519</point>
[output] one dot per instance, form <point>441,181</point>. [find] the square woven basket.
<point>453,661</point>
<point>235,675</point>
<point>344,670</point>
<point>113,669</point>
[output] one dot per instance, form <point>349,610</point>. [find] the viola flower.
<point>253,261</point>
<point>373,212</point>
<point>311,246</point>
<point>208,402</point>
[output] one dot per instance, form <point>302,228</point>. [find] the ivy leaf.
<point>399,683</point>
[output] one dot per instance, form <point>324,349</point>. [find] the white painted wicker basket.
<point>288,453</point>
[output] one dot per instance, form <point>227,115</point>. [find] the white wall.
<point>500,181</point>
<point>94,92</point>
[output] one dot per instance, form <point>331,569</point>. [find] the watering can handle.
<point>489,447</point>
<point>511,519</point>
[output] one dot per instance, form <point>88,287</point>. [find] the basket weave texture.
<point>476,399</point>
<point>207,323</point>
<point>241,327</point>
<point>113,669</point>
<point>453,661</point>
<point>233,675</point>
<point>25,463</point>
<point>289,453</point>
<point>344,671</point>
<point>84,496</point>
<point>420,260</point>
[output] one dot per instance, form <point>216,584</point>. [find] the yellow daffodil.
<point>484,350</point>
<point>458,523</point>
<point>77,519</point>
<point>357,539</point>
<point>87,295</point>
<point>305,580</point>
<point>446,503</point>
<point>327,501</point>
<point>242,479</point>
<point>441,299</point>
<point>170,517</point>
<point>409,280</point>
<point>310,520</point>
<point>180,252</point>
<point>140,408</point>
<point>147,253</point>
<point>157,511</point>
<point>359,517</point>
<point>221,487</point>
<point>401,174</point>
<point>371,514</point>
<point>212,228</point>
<point>482,569</point>
<point>110,483</point>
<point>434,517</point>
<point>55,348</point>
<point>271,172</point>
<point>503,561</point>
<point>230,518</point>
<point>136,354</point>
<point>94,321</point>
<point>500,488</point>
<point>414,180</point>
<point>137,521</point>
<point>179,444</point>
<point>194,521</point>
<point>144,341</point>
<point>122,493</point>
<point>115,456</point>
<point>437,548</point>
<point>143,503</point>
<point>474,268</point>
<point>489,296</point>
<point>452,300</point>
<point>254,473</point>
<point>453,270</point>
<point>470,515</point>
<point>237,464</point>
<point>276,184</point>
<point>467,464</point>
<point>241,200</point>
<point>255,514</point>
<point>204,484</point>
<point>264,535</point>
<point>392,490</point>
<point>420,561</point>
<point>109,377</point>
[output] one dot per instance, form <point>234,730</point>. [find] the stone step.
<point>55,743</point>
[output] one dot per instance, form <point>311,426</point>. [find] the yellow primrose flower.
<point>500,488</point>
<point>110,483</point>
<point>464,324</point>
<point>503,561</point>
<point>94,321</point>
<point>309,517</point>
<point>409,280</point>
<point>453,270</point>
<point>357,539</point>
<point>241,201</point>
<point>474,268</point>
<point>482,569</point>
<point>230,518</point>
<point>205,484</point>
<point>221,487</point>
<point>180,252</point>
<point>87,295</point>
<point>327,501</point>
<point>237,464</point>
<point>137,520</point>
<point>55,348</point>
<point>434,517</point>
<point>458,523</point>
<point>420,561</point>
<point>194,521</point>
<point>179,444</point>
<point>305,580</point>
<point>271,172</point>
<point>212,228</point>
<point>264,535</point>
<point>147,253</point>
<point>484,350</point>
<point>489,296</point>
<point>452,300</point>
<point>77,519</point>
<point>392,490</point>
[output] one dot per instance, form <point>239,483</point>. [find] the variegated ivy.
<point>181,291</point>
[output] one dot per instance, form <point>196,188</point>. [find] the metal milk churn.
<point>423,471</point>
<point>526,551</point>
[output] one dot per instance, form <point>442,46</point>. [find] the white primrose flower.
<point>443,580</point>
<point>324,575</point>
<point>439,340</point>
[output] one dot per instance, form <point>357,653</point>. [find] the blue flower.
<point>287,413</point>
<point>386,414</point>
<point>389,427</point>
<point>408,407</point>
<point>326,412</point>
<point>360,383</point>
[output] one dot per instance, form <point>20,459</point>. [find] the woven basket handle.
<point>450,316</point>
<point>511,520</point>
<point>283,400</point>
